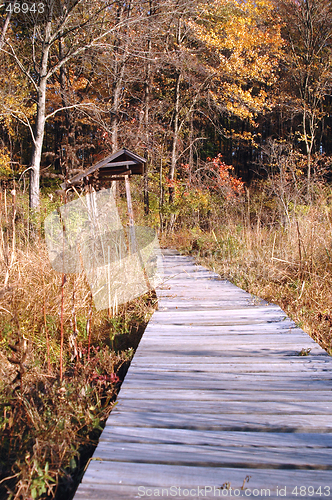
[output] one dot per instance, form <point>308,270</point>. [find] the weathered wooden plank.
<point>202,421</point>
<point>214,317</point>
<point>238,348</point>
<point>266,386</point>
<point>187,367</point>
<point>318,359</point>
<point>226,340</point>
<point>243,336</point>
<point>281,327</point>
<point>206,298</point>
<point>272,313</point>
<point>215,456</point>
<point>226,326</point>
<point>220,330</point>
<point>208,394</point>
<point>219,290</point>
<point>215,374</point>
<point>119,492</point>
<point>223,345</point>
<point>164,353</point>
<point>212,289</point>
<point>215,289</point>
<point>182,275</point>
<point>240,439</point>
<point>161,353</point>
<point>181,348</point>
<point>291,380</point>
<point>158,475</point>
<point>221,321</point>
<point>222,368</point>
<point>214,355</point>
<point>178,305</point>
<point>243,358</point>
<point>244,365</point>
<point>226,407</point>
<point>206,290</point>
<point>226,352</point>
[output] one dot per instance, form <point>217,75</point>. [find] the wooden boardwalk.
<point>216,394</point>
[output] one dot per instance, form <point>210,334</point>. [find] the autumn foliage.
<point>214,176</point>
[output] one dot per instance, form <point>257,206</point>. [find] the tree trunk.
<point>175,136</point>
<point>146,123</point>
<point>115,109</point>
<point>40,124</point>
<point>119,72</point>
<point>67,137</point>
<point>5,26</point>
<point>309,142</point>
<point>191,144</point>
<point>37,147</point>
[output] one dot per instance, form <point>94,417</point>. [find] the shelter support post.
<point>132,235</point>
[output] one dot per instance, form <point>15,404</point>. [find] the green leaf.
<point>73,463</point>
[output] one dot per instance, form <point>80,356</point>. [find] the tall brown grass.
<point>61,361</point>
<point>283,257</point>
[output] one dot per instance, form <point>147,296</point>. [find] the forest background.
<point>229,101</point>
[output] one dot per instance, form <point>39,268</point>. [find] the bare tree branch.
<point>20,65</point>
<point>6,25</point>
<point>68,107</point>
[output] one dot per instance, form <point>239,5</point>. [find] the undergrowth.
<point>61,361</point>
<point>281,255</point>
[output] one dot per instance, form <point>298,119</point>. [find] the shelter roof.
<point>119,163</point>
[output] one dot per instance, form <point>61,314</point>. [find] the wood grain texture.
<point>216,393</point>
<point>104,478</point>
<point>226,407</point>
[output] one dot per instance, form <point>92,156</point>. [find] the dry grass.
<point>288,263</point>
<point>62,362</point>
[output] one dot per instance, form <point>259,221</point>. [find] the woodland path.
<point>217,392</point>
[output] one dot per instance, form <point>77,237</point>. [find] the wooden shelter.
<point>117,166</point>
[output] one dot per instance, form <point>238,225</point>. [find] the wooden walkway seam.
<point>217,401</point>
